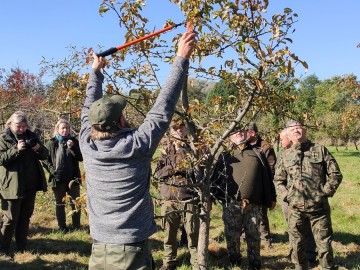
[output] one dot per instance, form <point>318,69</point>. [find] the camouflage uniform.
<point>173,220</point>
<point>236,219</point>
<point>305,176</point>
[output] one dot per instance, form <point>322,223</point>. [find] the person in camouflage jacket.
<point>306,175</point>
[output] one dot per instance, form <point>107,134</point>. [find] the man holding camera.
<point>21,176</point>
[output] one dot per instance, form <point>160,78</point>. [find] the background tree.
<point>336,108</point>
<point>21,90</point>
<point>221,90</point>
<point>238,44</point>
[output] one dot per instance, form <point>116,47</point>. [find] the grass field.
<point>51,249</point>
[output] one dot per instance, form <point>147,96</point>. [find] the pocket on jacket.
<point>316,167</point>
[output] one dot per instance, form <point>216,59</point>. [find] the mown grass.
<point>51,249</point>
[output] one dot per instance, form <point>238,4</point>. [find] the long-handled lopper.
<point>115,49</point>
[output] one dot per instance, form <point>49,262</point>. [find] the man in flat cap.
<point>117,162</point>
<point>306,175</point>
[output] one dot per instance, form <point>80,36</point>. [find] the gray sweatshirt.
<point>118,169</point>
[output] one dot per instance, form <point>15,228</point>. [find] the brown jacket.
<point>264,147</point>
<point>173,168</point>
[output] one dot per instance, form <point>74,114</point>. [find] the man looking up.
<point>310,243</point>
<point>242,182</point>
<point>117,163</point>
<point>306,176</point>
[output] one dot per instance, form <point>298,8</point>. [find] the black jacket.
<point>73,152</point>
<point>252,181</point>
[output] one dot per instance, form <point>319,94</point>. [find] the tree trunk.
<point>203,243</point>
<point>356,147</point>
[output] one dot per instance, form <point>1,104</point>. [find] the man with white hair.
<point>310,243</point>
<point>306,176</point>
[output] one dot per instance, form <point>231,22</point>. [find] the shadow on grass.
<point>157,245</point>
<point>47,230</point>
<point>273,262</point>
<point>350,261</point>
<point>346,153</point>
<point>346,238</point>
<point>46,246</point>
<point>44,265</point>
<point>280,238</point>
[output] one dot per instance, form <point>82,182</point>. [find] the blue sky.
<point>326,34</point>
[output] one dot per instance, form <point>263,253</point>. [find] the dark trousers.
<point>16,218</point>
<point>264,225</point>
<point>60,192</point>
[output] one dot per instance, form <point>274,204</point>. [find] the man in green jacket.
<point>306,176</point>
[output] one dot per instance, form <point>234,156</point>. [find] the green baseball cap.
<point>106,111</point>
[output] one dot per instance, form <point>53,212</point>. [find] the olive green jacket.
<point>12,169</point>
<point>306,175</point>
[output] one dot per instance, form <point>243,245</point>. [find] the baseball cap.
<point>291,123</point>
<point>106,111</point>
<point>252,126</point>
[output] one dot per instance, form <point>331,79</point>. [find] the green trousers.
<point>16,220</point>
<point>134,256</point>
<point>176,213</point>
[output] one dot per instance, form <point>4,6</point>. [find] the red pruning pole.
<point>115,49</point>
